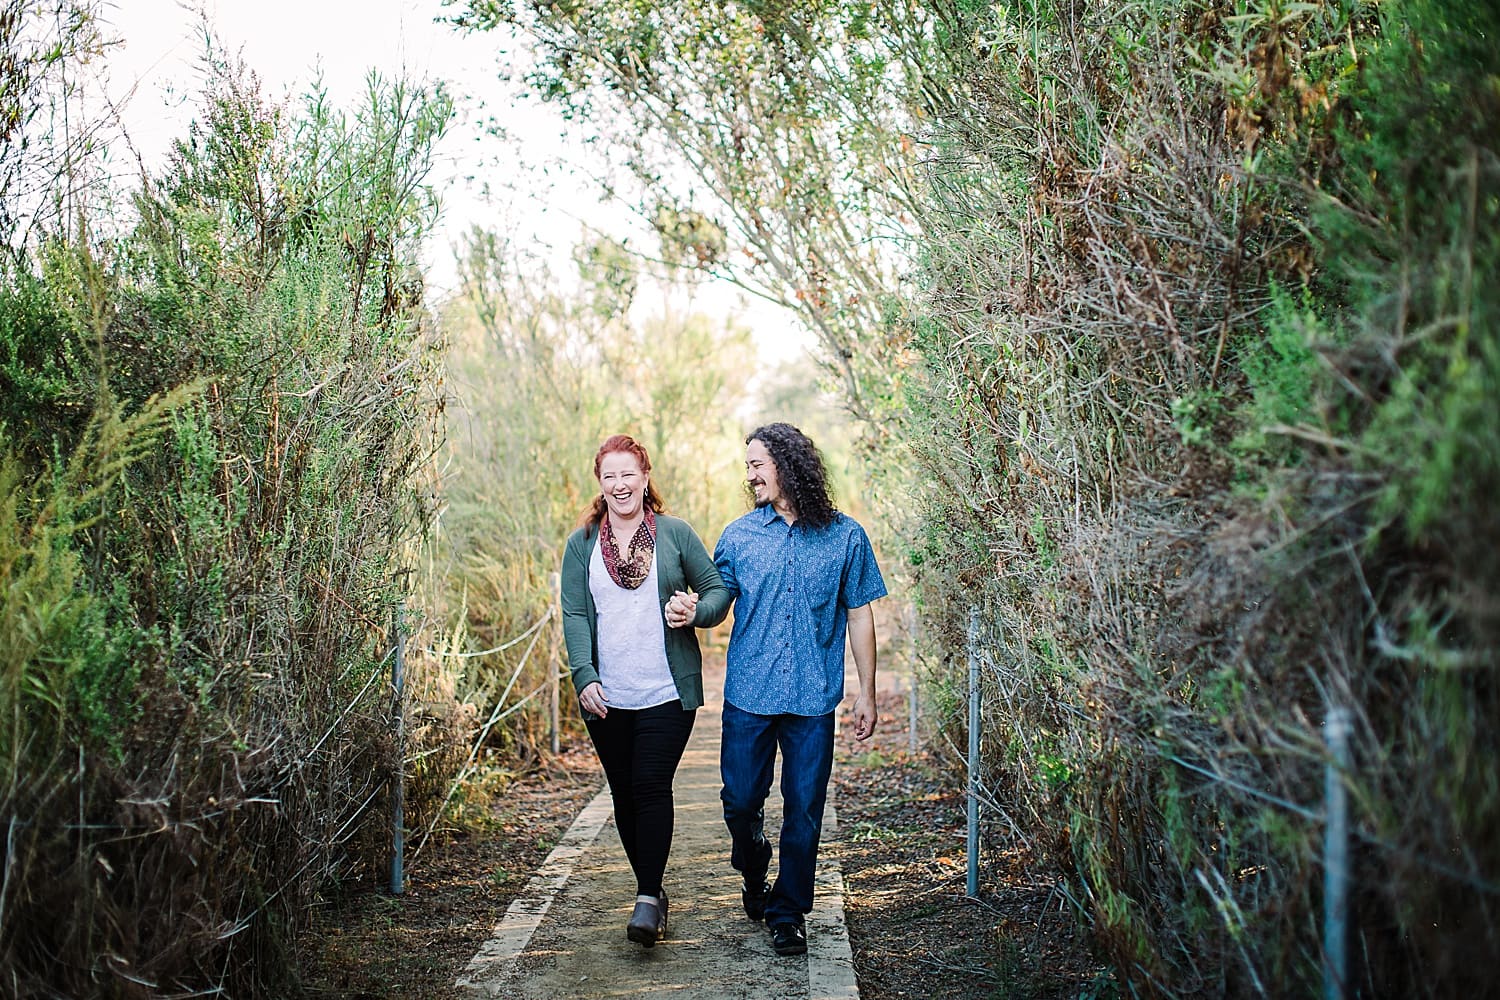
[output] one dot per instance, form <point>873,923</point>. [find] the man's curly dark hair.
<point>800,471</point>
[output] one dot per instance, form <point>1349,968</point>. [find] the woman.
<point>635,660</point>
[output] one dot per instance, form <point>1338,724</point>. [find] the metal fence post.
<point>398,779</point>
<point>1336,855</point>
<point>911,725</point>
<point>973,838</point>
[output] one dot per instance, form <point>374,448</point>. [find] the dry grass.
<point>1177,583</point>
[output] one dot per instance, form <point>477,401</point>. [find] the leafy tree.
<point>772,144</point>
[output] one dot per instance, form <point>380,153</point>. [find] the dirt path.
<point>564,936</point>
<point>899,848</point>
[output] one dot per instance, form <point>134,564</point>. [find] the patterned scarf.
<point>629,571</point>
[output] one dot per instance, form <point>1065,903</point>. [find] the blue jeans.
<point>747,756</point>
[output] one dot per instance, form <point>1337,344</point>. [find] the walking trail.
<point>564,936</point>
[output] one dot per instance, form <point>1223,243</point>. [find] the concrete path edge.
<point>830,961</point>
<point>526,911</point>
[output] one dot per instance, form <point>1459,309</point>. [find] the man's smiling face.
<point>760,474</point>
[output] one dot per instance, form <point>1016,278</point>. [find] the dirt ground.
<point>370,945</point>
<point>901,845</point>
<point>913,931</point>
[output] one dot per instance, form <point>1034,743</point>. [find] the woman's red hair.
<point>594,513</point>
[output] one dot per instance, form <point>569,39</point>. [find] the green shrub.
<point>216,429</point>
<point>1207,380</point>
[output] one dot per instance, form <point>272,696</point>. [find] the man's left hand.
<point>864,717</point>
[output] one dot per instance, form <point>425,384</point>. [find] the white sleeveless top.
<point>632,639</point>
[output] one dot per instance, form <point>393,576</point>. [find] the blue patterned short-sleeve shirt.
<point>793,588</point>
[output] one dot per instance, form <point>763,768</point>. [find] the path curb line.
<point>830,961</point>
<point>511,935</point>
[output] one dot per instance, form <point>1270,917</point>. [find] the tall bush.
<point>217,427</point>
<point>1197,462</point>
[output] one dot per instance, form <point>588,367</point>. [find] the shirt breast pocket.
<point>821,596</point>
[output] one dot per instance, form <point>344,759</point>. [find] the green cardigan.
<point>682,563</point>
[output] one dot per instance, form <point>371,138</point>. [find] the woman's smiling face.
<point>623,484</point>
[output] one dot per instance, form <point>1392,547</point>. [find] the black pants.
<point>640,749</point>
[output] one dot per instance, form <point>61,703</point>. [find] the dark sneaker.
<point>789,939</point>
<point>755,900</point>
<point>646,924</point>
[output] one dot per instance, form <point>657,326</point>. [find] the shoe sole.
<point>647,936</point>
<point>792,949</point>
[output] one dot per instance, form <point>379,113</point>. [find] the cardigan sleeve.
<point>578,629</point>
<point>703,576</point>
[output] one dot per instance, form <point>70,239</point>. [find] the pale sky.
<point>288,42</point>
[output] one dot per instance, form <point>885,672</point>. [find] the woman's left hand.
<point>682,608</point>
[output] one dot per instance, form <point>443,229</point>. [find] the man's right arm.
<point>707,582</point>
<point>724,562</point>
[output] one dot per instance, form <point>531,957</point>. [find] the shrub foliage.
<point>1202,403</point>
<point>217,406</point>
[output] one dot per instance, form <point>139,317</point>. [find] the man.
<point>802,574</point>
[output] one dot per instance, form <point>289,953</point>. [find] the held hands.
<point>593,700</point>
<point>681,608</point>
<point>864,717</point>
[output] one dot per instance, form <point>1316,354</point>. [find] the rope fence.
<point>499,712</point>
<point>496,649</point>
